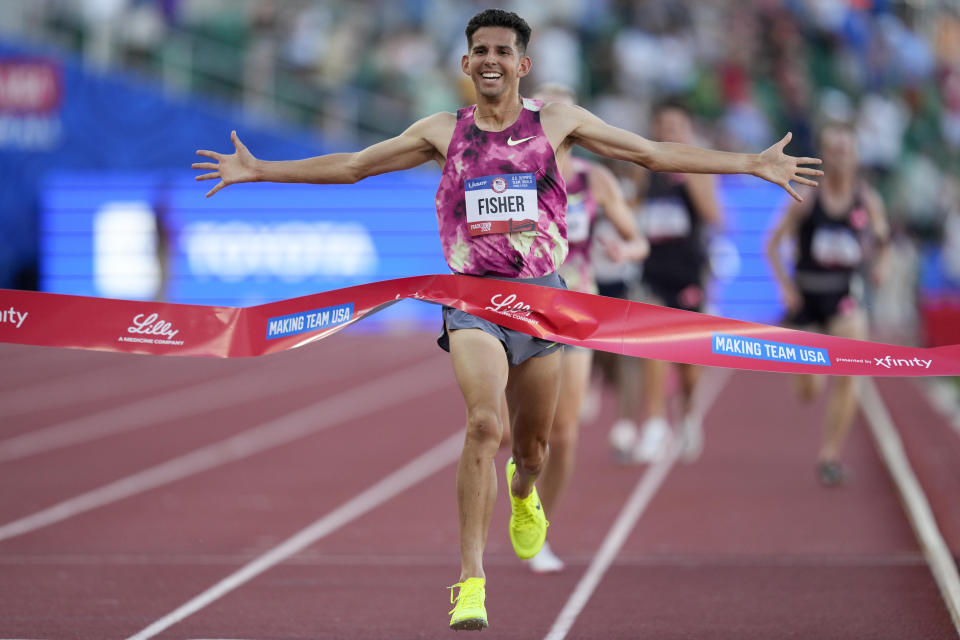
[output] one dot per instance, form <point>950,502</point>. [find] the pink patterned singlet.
<point>501,202</point>
<point>577,270</point>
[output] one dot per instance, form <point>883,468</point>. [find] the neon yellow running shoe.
<point>469,614</point>
<point>528,522</point>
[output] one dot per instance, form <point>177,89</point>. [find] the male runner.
<point>833,233</point>
<point>504,145</point>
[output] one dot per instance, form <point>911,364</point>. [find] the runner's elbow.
<point>353,170</point>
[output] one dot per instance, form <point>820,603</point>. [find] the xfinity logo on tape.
<point>304,321</point>
<point>742,347</point>
<point>890,363</point>
<point>13,316</point>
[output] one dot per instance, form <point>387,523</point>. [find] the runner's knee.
<point>563,436</point>
<point>530,454</point>
<point>483,426</point>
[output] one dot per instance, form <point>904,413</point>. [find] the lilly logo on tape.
<point>151,325</point>
<point>305,321</point>
<point>502,304</point>
<point>743,347</point>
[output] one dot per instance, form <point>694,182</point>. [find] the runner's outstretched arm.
<point>420,143</point>
<point>579,126</point>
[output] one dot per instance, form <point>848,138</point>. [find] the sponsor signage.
<point>14,317</point>
<point>307,321</point>
<point>150,328</point>
<point>31,94</point>
<point>757,349</point>
<point>571,317</point>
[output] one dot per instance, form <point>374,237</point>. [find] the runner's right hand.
<point>239,166</point>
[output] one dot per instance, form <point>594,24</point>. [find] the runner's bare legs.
<point>532,392</point>
<point>574,381</point>
<point>842,404</point>
<point>689,379</point>
<point>480,366</point>
<point>655,388</point>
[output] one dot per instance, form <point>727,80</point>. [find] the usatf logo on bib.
<point>502,204</point>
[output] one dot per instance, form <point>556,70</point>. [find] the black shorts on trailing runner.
<point>689,297</point>
<point>819,309</point>
<point>825,295</point>
<point>518,346</point>
<point>613,289</point>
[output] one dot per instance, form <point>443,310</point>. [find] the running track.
<point>310,494</point>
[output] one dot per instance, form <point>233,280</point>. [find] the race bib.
<point>502,204</point>
<point>665,219</point>
<point>836,247</point>
<point>578,219</point>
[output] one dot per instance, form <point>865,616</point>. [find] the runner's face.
<point>673,125</point>
<point>494,62</point>
<point>838,147</point>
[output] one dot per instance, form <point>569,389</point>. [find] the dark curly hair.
<point>500,18</point>
<point>671,103</point>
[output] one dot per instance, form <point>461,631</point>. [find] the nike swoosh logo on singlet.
<point>512,143</point>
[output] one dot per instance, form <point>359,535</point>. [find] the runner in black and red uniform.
<point>834,231</point>
<point>675,212</point>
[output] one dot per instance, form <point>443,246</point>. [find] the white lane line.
<point>944,396</point>
<point>99,383</point>
<point>410,382</point>
<point>392,485</point>
<point>915,502</point>
<point>250,384</point>
<point>646,488</point>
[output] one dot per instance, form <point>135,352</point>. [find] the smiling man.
<point>505,146</point>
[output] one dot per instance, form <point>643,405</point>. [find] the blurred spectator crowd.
<point>360,70</point>
<point>363,69</point>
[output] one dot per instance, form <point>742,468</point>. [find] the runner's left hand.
<point>779,168</point>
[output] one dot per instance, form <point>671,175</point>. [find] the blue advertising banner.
<point>154,236</point>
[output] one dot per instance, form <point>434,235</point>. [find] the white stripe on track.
<point>389,487</point>
<point>944,396</point>
<point>410,382</point>
<point>250,384</point>
<point>626,520</point>
<point>91,384</point>
<point>915,502</point>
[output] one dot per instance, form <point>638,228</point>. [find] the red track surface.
<point>742,543</point>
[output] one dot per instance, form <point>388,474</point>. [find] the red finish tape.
<point>597,322</point>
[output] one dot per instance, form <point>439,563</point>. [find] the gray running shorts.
<point>518,346</point>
